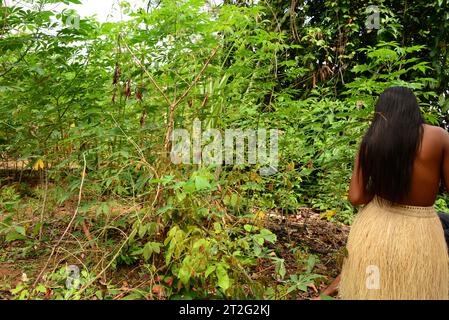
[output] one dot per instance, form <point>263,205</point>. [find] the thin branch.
<point>146,71</point>
<point>44,205</point>
<point>182,97</point>
<point>197,78</point>
<point>68,226</point>
<point>22,56</point>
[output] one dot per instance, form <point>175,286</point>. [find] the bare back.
<point>430,167</point>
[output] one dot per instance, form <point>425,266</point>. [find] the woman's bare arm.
<point>445,160</point>
<point>357,191</point>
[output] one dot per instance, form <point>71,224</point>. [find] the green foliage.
<point>104,96</point>
<point>205,255</point>
<point>441,204</point>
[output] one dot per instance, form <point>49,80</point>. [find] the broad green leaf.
<point>222,276</point>
<point>201,183</point>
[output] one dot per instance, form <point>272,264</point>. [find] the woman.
<point>396,247</point>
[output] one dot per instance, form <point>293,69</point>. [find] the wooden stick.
<point>68,226</point>
<point>139,63</point>
<point>171,114</point>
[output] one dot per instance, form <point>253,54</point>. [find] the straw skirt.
<point>395,252</point>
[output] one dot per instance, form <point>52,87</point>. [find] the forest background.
<point>89,192</point>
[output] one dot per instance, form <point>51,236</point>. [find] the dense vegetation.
<point>88,109</point>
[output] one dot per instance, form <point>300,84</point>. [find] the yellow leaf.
<point>328,214</point>
<point>72,125</point>
<point>39,165</point>
<point>255,177</point>
<point>291,166</point>
<point>259,218</point>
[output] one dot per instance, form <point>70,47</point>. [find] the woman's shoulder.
<point>435,130</point>
<point>435,134</point>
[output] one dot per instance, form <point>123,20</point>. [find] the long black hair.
<point>389,147</point>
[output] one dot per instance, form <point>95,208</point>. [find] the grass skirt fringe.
<point>395,252</point>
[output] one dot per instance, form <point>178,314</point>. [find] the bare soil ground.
<point>306,229</point>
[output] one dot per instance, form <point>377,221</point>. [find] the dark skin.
<point>430,167</point>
